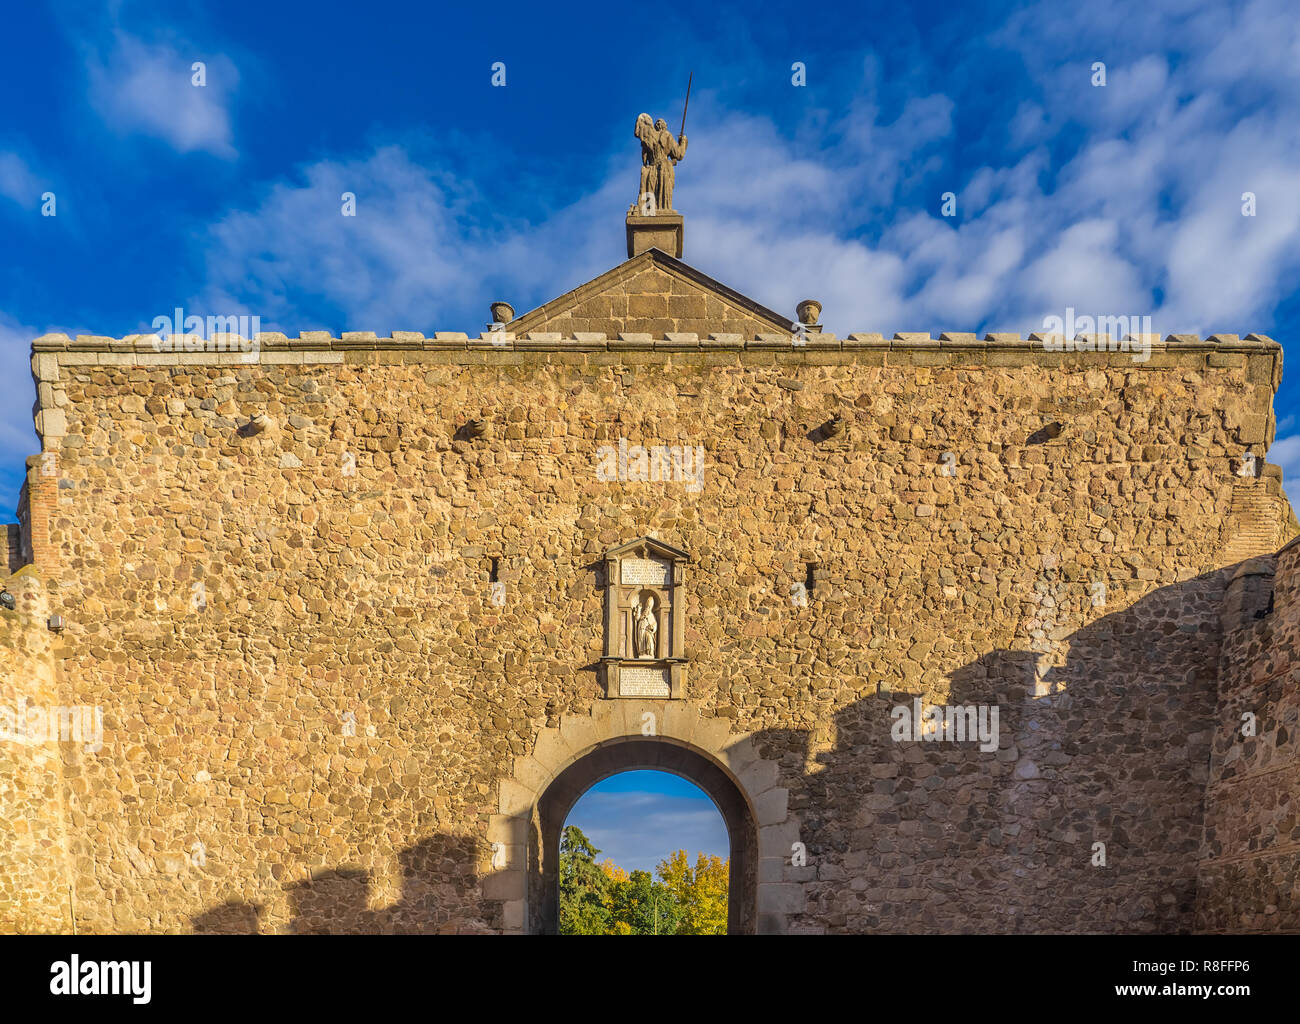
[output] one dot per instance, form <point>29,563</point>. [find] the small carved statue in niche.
<point>645,629</point>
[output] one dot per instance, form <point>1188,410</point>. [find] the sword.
<point>686,104</point>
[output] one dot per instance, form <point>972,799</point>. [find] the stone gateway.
<point>364,658</point>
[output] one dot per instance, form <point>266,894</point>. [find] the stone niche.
<point>645,618</point>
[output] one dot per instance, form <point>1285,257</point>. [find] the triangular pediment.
<point>647,547</point>
<point>654,294</point>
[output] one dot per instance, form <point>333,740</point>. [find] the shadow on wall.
<point>1104,737</point>
<point>440,895</point>
<point>1087,817</point>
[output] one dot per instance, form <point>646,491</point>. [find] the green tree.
<point>638,905</point>
<point>583,886</point>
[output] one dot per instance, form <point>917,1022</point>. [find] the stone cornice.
<point>1226,351</point>
<point>410,341</point>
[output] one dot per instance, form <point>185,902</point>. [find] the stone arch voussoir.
<point>779,884</point>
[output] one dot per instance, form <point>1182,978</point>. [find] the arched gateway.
<point>667,736</point>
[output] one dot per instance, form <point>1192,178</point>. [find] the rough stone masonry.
<point>342,604</point>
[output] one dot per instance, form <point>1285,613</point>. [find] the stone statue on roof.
<point>660,150</point>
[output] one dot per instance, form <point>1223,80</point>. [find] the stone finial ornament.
<point>808,311</point>
<point>502,312</point>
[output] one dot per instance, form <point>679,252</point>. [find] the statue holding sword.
<point>659,152</point>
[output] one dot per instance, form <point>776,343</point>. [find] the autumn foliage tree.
<point>700,892</point>
<point>603,899</point>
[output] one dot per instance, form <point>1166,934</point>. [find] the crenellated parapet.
<point>1253,364</point>
<point>1259,354</point>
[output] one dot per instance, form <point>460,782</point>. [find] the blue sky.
<point>225,199</point>
<point>637,819</point>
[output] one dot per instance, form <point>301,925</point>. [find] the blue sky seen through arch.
<point>638,818</point>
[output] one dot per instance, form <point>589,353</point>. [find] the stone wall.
<point>312,703</point>
<point>35,890</point>
<point>1250,867</point>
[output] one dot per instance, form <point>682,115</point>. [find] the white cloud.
<point>1167,152</point>
<point>781,223</point>
<point>638,829</point>
<point>405,254</point>
<point>17,182</point>
<point>1084,269</point>
<point>147,88</point>
<point>1286,453</point>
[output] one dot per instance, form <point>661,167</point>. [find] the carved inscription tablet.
<point>646,572</point>
<point>643,682</point>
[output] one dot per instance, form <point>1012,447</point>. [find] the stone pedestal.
<point>663,231</point>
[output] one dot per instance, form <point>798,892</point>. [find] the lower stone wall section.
<point>1249,875</point>
<point>35,892</point>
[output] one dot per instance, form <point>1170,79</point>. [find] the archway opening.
<point>644,853</point>
<point>635,755</point>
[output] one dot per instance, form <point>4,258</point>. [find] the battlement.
<point>920,349</point>
<point>1250,367</point>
